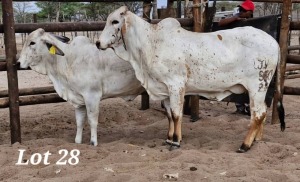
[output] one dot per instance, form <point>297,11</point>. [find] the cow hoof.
<point>93,143</point>
<point>167,142</point>
<point>244,148</point>
<point>78,141</point>
<point>174,145</point>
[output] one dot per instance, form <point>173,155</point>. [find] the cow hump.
<point>169,23</point>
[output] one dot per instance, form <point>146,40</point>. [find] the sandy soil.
<point>131,147</point>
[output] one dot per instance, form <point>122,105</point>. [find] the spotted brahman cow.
<point>171,62</point>
<point>80,74</point>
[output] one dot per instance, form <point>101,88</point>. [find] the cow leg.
<point>259,134</point>
<point>176,104</point>
<point>169,139</point>
<point>92,106</point>
<point>80,114</point>
<point>258,115</point>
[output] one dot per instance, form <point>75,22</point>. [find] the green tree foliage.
<point>97,11</point>
<point>100,11</point>
<point>66,11</point>
<point>48,10</point>
<point>71,10</point>
<point>74,11</point>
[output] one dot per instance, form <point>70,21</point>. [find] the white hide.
<point>171,62</point>
<point>83,76</point>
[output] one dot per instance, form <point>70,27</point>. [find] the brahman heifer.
<point>80,74</point>
<point>171,62</point>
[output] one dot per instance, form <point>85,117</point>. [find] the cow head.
<point>38,47</point>
<point>112,35</point>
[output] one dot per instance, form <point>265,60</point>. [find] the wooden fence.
<point>15,97</point>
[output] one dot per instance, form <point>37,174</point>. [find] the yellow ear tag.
<point>52,50</point>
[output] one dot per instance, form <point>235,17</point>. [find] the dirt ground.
<point>130,143</point>
<point>131,140</point>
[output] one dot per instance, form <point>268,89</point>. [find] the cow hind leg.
<point>259,134</point>
<point>177,131</point>
<point>166,104</point>
<point>176,104</point>
<point>258,115</point>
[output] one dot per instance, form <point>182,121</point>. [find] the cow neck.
<point>136,38</point>
<point>58,65</point>
<point>58,71</point>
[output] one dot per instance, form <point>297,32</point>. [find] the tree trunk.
<point>154,13</point>
<point>57,13</point>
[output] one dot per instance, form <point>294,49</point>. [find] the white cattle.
<point>81,75</point>
<point>170,62</point>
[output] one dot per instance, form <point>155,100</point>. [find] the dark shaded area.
<point>271,25</point>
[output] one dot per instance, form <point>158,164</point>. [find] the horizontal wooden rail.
<point>94,26</point>
<point>58,27</point>
<point>77,26</point>
<point>292,67</point>
<point>54,98</point>
<point>295,25</point>
<point>293,76</point>
<point>291,90</point>
<point>30,91</point>
<point>4,68</point>
<point>293,47</point>
<point>33,99</point>
<point>295,59</point>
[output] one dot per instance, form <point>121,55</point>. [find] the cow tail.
<point>280,108</point>
<point>281,114</point>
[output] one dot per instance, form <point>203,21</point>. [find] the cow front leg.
<point>176,104</point>
<point>92,106</point>
<point>80,114</point>
<point>166,104</point>
<point>258,115</point>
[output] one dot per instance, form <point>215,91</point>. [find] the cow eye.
<point>32,43</point>
<point>115,22</point>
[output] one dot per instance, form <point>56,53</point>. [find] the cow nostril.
<point>98,44</point>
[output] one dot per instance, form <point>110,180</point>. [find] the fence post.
<point>34,17</point>
<point>197,14</point>
<point>12,76</point>
<point>283,43</point>
<point>178,8</point>
<point>147,5</point>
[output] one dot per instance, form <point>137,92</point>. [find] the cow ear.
<point>53,49</point>
<point>61,38</point>
<point>41,31</point>
<point>124,10</point>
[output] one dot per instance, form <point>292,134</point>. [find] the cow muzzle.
<point>22,65</point>
<point>98,45</point>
